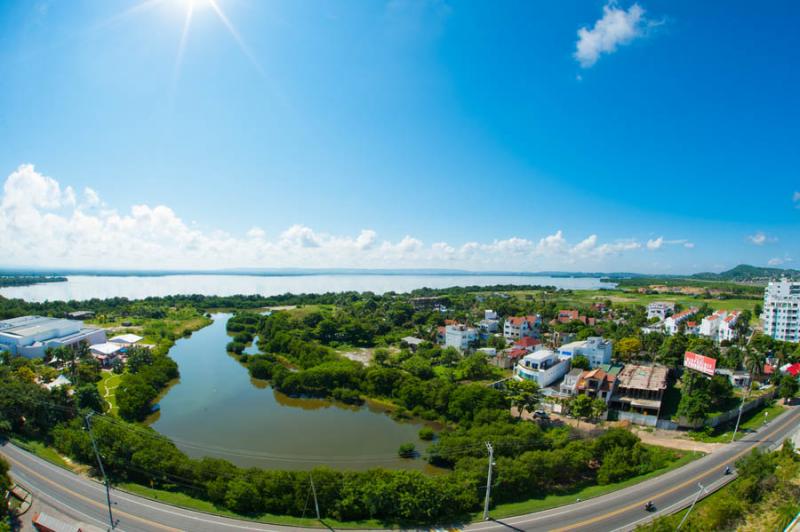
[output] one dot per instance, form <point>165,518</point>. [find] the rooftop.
<point>127,339</point>
<point>643,377</point>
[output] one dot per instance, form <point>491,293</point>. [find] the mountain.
<point>745,273</point>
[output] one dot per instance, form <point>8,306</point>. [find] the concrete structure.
<point>489,314</point>
<point>595,348</point>
<point>58,383</point>
<point>720,326</point>
<point>781,314</point>
<point>660,309</point>
<point>105,353</point>
<point>640,389</point>
<point>739,379</point>
<point>126,340</point>
<point>489,326</point>
<point>569,386</point>
<point>412,341</point>
<point>516,327</point>
<point>459,336</point>
<point>672,323</point>
<point>507,359</point>
<point>31,336</point>
<point>527,343</point>
<point>543,367</point>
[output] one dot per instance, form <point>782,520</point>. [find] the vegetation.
<point>5,485</point>
<point>27,280</point>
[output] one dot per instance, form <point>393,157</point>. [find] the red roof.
<point>517,353</point>
<point>794,369</point>
<point>527,341</point>
<point>450,322</point>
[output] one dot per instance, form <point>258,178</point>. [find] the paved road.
<point>84,499</point>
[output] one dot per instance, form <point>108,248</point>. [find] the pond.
<point>217,410</point>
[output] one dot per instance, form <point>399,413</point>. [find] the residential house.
<point>672,323</point>
<point>596,349</point>
<point>516,327</point>
<point>720,325</point>
<point>527,343</point>
<point>508,358</point>
<point>460,336</point>
<point>569,386</point>
<point>660,310</point>
<point>543,367</point>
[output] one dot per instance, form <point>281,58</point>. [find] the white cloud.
<point>759,238</point>
<point>617,27</point>
<point>657,243</point>
<point>42,224</point>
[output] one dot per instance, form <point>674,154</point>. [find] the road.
<point>84,499</point>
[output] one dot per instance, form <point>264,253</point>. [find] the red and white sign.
<point>700,363</point>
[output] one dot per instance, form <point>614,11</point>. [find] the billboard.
<point>700,363</point>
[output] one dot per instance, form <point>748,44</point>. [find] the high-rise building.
<point>781,310</point>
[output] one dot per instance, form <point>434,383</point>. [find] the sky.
<point>658,136</point>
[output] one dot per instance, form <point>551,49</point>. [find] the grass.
<point>552,501</point>
<point>42,451</point>
<point>673,520</point>
<point>751,421</point>
<point>109,380</point>
<point>186,501</point>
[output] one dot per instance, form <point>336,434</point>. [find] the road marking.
<point>674,488</point>
<point>87,499</point>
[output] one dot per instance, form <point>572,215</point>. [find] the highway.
<point>84,499</point>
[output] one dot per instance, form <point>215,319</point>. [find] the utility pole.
<point>314,491</point>
<point>741,407</point>
<point>102,471</point>
<point>702,489</point>
<point>488,482</point>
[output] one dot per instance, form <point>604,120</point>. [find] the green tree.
<point>580,362</point>
<point>599,407</point>
<point>581,407</point>
<point>242,496</point>
<point>627,348</point>
<point>788,388</point>
<point>88,397</point>
<point>5,485</point>
<point>525,395</point>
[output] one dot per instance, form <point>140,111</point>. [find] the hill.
<point>744,273</point>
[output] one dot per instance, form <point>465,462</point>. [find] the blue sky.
<point>481,135</point>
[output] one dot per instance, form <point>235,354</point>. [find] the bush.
<point>426,433</point>
<point>407,450</point>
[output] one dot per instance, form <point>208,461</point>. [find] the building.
<point>58,383</point>
<point>489,314</point>
<point>106,352</point>
<point>81,315</point>
<point>459,336</point>
<point>543,367</point>
<point>738,379</point>
<point>672,323</point>
<point>126,340</point>
<point>569,386</point>
<point>489,325</point>
<point>31,336</point>
<point>660,309</point>
<point>720,326</point>
<point>508,358</point>
<point>412,342</point>
<point>597,384</point>
<point>516,327</point>
<point>781,308</point>
<point>640,389</point>
<point>527,343</point>
<point>595,348</point>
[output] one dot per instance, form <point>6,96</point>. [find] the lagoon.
<point>83,287</point>
<point>217,410</point>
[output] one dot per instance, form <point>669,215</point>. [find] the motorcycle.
<point>649,507</point>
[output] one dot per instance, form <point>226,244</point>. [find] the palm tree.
<point>754,361</point>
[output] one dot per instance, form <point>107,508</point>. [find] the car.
<point>540,414</point>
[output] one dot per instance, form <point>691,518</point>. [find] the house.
<point>566,316</point>
<point>738,379</point>
<point>58,383</point>
<point>543,367</point>
<point>527,343</point>
<point>653,328</point>
<point>31,336</point>
<point>411,341</point>
<point>489,325</point>
<point>105,353</point>
<point>507,359</point>
<point>489,314</point>
<point>691,327</point>
<point>126,340</point>
<point>660,310</point>
<point>569,386</point>
<point>597,384</point>
<point>516,327</point>
<point>595,348</point>
<point>672,323</point>
<point>80,315</point>
<point>791,369</point>
<point>440,335</point>
<point>640,390</point>
<point>460,336</point>
<point>781,314</point>
<point>720,325</point>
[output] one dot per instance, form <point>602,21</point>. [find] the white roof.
<point>126,339</point>
<point>540,356</point>
<point>107,348</point>
<point>60,381</point>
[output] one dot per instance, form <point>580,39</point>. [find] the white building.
<point>459,336</point>
<point>106,352</point>
<point>660,310</point>
<point>31,336</point>
<point>781,308</point>
<point>720,326</point>
<point>489,314</point>
<point>490,326</point>
<point>672,323</point>
<point>543,367</point>
<point>595,348</point>
<point>126,340</point>
<point>516,327</point>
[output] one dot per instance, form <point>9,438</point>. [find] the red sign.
<point>700,363</point>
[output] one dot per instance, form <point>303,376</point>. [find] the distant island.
<point>27,280</point>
